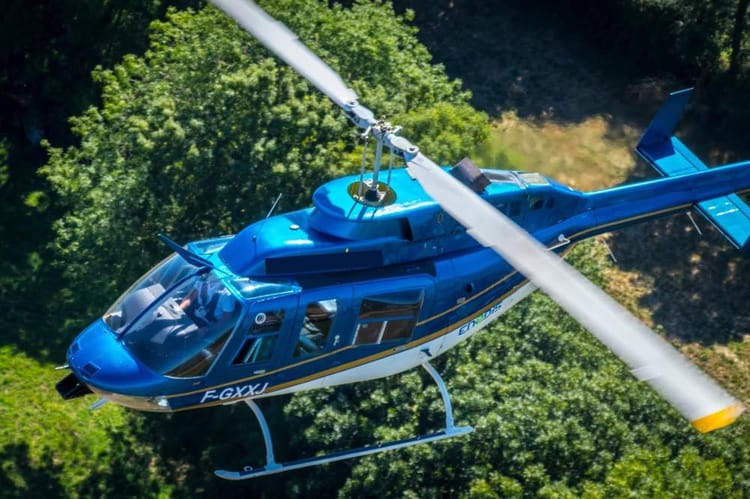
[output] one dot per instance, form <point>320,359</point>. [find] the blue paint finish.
<point>337,228</point>
<point>466,278</point>
<point>731,216</point>
<point>115,369</point>
<point>340,249</point>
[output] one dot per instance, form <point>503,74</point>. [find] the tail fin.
<point>670,157</point>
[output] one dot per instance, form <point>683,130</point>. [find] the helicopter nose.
<point>99,360</point>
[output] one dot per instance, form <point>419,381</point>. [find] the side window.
<point>319,316</point>
<point>261,338</point>
<point>388,317</point>
<point>515,209</point>
<point>536,203</point>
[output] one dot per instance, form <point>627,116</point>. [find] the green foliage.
<point>3,162</point>
<point>45,442</point>
<point>199,136</point>
<point>658,473</point>
<point>448,132</point>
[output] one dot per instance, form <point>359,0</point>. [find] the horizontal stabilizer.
<point>670,157</point>
<point>731,216</point>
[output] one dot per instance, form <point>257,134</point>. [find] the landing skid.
<point>273,467</point>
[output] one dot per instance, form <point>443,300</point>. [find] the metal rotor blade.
<point>284,43</point>
<point>652,359</point>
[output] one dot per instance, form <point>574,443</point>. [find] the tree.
<point>738,35</point>
<point>197,137</point>
<point>48,49</point>
<point>3,162</point>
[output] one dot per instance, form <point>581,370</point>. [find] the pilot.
<point>208,301</point>
<point>315,327</point>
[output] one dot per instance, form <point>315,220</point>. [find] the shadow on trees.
<point>700,289</point>
<point>540,64</point>
<point>515,59</point>
<point>37,481</point>
<point>179,452</point>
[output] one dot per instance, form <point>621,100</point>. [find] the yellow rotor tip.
<point>718,419</point>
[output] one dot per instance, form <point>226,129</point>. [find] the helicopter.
<point>387,270</point>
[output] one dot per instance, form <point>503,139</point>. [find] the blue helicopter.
<point>386,271</point>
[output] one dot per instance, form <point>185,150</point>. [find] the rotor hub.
<point>365,192</point>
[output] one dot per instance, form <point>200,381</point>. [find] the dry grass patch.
<point>586,155</point>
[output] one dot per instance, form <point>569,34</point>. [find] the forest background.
<point>121,119</point>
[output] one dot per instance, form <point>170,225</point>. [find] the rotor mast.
<point>385,135</point>
<point>381,132</point>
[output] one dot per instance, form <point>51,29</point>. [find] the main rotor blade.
<point>652,359</point>
<point>284,43</point>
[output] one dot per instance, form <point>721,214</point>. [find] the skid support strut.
<point>272,466</point>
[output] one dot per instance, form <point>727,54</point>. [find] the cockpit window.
<point>148,288</point>
<point>182,333</point>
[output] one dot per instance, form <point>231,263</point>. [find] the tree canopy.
<point>197,137</point>
<point>686,36</point>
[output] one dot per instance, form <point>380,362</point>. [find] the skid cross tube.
<point>271,467</point>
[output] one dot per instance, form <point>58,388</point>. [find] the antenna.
<point>268,215</point>
<point>273,206</point>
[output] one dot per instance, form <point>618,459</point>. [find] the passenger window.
<point>316,325</point>
<point>388,317</point>
<point>536,203</point>
<point>261,338</point>
<point>198,364</point>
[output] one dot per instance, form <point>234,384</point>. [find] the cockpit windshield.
<point>184,331</point>
<point>148,288</point>
<point>176,318</point>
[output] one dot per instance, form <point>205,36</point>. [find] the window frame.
<point>323,347</point>
<point>389,315</point>
<point>255,331</point>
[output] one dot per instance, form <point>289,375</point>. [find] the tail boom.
<point>670,157</point>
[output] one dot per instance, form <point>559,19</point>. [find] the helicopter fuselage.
<point>347,291</point>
